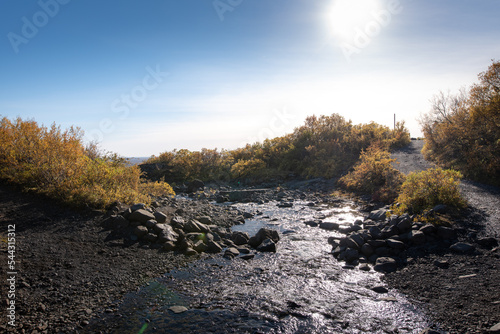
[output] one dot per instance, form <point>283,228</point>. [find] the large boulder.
<point>262,235</point>
<point>195,185</point>
<point>141,216</point>
<point>267,245</point>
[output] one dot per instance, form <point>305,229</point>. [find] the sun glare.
<point>345,16</point>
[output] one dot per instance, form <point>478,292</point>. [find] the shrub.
<point>56,163</point>
<point>374,175</point>
<point>423,190</point>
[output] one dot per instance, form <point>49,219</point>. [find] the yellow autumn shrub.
<point>56,163</point>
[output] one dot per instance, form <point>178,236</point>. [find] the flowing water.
<point>299,289</point>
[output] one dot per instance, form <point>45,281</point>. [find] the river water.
<point>299,289</point>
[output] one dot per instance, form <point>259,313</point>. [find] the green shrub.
<point>423,190</point>
<point>374,175</point>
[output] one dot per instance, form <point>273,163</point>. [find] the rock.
<point>178,221</point>
<point>429,331</point>
<point>267,245</point>
<point>115,222</point>
<point>351,255</point>
<point>378,215</point>
<point>446,233</point>
<point>190,251</point>
<point>404,225</point>
<point>247,256</point>
<point>440,208</point>
<point>150,223</point>
<point>395,244</point>
<point>330,226</point>
<point>168,246</point>
<point>428,229</point>
<point>312,223</point>
<point>385,265</point>
<point>240,238</point>
<point>160,217</point>
<point>195,185</point>
<point>200,246</point>
<point>495,329</point>
<point>462,248</point>
<point>141,216</point>
<point>367,250</point>
<point>375,232</point>
<point>214,247</point>
<point>349,242</point>
<point>488,243</point>
<point>417,237</point>
<point>140,231</point>
<point>358,239</point>
<point>285,205</point>
<point>380,289</point>
<point>167,234</point>
<point>195,226</point>
<point>178,309</point>
<point>138,206</point>
<point>382,251</point>
<point>263,234</point>
<point>231,253</point>
<point>150,237</point>
<point>443,264</point>
<point>205,220</point>
<point>364,267</point>
<point>377,243</point>
<point>389,231</point>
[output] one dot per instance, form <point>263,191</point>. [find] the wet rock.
<point>231,253</point>
<point>351,255</point>
<point>268,245</point>
<point>240,238</point>
<point>312,223</point>
<point>380,289</point>
<point>330,226</point>
<point>462,248</point>
<point>263,234</point>
<point>141,216</point>
<point>385,265</point>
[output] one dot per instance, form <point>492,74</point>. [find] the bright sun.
<point>347,15</point>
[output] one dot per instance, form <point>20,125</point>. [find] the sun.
<point>345,16</point>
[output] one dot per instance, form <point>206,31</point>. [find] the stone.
<point>389,231</point>
<point>200,246</point>
<point>404,225</point>
<point>488,243</point>
<point>377,243</point>
<point>150,237</point>
<point>168,246</point>
<point>231,253</point>
<point>364,267</point>
<point>382,251</point>
<point>440,208</point>
<point>349,242</point>
<point>115,222</point>
<point>380,289</point>
<point>385,265</point>
<point>329,226</point>
<point>141,216</point>
<point>190,251</point>
<point>358,239</point>
<point>267,245</point>
<point>240,238</point>
<point>367,250</point>
<point>178,221</point>
<point>263,234</point>
<point>167,234</point>
<point>443,264</point>
<point>375,232</point>
<point>195,226</point>
<point>178,309</point>
<point>396,244</point>
<point>462,248</point>
<point>160,217</point>
<point>378,215</point>
<point>495,329</point>
<point>417,237</point>
<point>150,223</point>
<point>446,233</point>
<point>247,256</point>
<point>138,206</point>
<point>429,331</point>
<point>205,220</point>
<point>351,255</point>
<point>140,231</point>
<point>428,229</point>
<point>285,205</point>
<point>214,247</point>
<point>311,223</point>
<point>195,185</point>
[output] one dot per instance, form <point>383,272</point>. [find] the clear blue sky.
<point>143,77</point>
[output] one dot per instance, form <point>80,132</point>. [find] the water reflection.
<point>299,289</point>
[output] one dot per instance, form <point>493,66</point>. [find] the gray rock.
<point>150,237</point>
<point>443,264</point>
<point>417,237</point>
<point>378,215</point>
<point>389,231</point>
<point>428,229</point>
<point>396,244</point>
<point>190,251</point>
<point>205,220</point>
<point>240,238</point>
<point>375,232</point>
<point>116,222</point>
<point>330,226</point>
<point>195,226</point>
<point>138,206</point>
<point>312,223</point>
<point>358,239</point>
<point>168,246</point>
<point>351,255</point>
<point>495,329</point>
<point>382,251</point>
<point>377,243</point>
<point>385,265</point>
<point>150,223</point>
<point>429,331</point>
<point>178,309</point>
<point>178,221</point>
<point>231,253</point>
<point>380,289</point>
<point>141,216</point>
<point>160,217</point>
<point>367,250</point>
<point>462,248</point>
<point>167,234</point>
<point>267,245</point>
<point>200,246</point>
<point>214,247</point>
<point>404,225</point>
<point>263,234</point>
<point>140,231</point>
<point>349,242</point>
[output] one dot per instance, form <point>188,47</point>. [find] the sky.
<point>145,77</point>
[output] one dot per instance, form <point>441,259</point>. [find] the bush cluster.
<point>325,146</point>
<point>57,163</point>
<point>463,131</point>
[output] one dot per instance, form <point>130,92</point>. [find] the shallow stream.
<point>299,289</point>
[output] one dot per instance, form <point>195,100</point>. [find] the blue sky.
<point>147,77</point>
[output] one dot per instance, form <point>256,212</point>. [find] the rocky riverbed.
<point>85,272</point>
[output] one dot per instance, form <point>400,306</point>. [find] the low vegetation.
<point>424,190</point>
<point>325,146</point>
<point>462,131</point>
<point>57,163</point>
